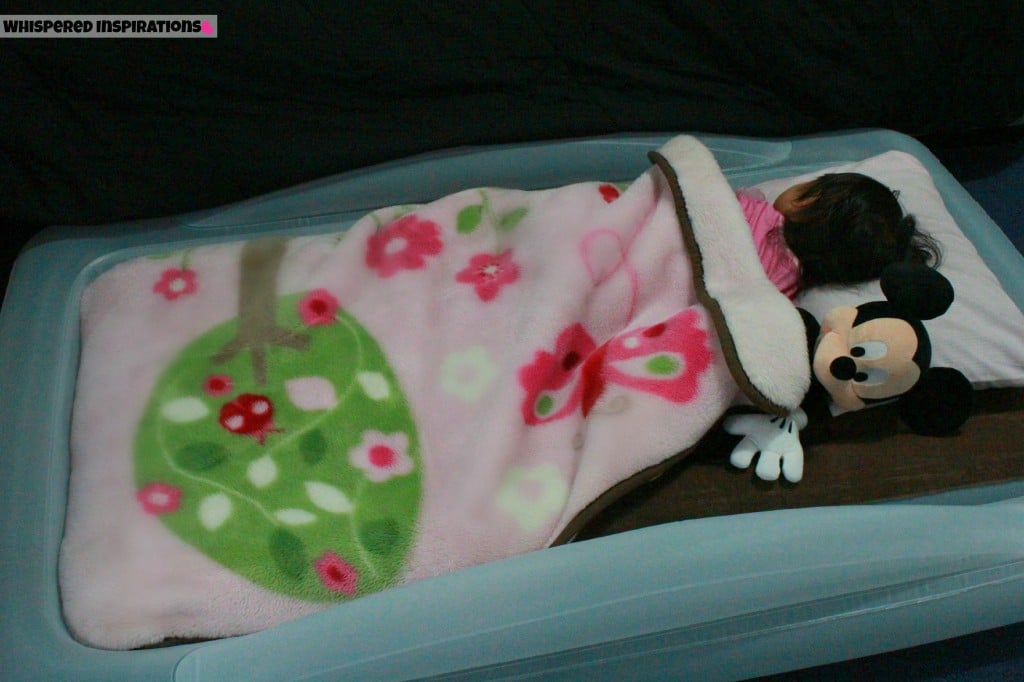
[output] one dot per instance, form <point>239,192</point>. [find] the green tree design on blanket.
<point>281,445</point>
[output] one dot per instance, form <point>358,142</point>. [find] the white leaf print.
<point>294,517</point>
<point>214,510</point>
<point>328,498</point>
<point>311,394</point>
<point>374,384</point>
<point>262,472</point>
<point>184,410</point>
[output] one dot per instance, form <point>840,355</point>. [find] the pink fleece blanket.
<point>265,428</point>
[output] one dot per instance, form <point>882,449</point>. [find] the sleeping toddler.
<point>840,228</point>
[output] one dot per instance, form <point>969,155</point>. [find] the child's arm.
<point>751,193</point>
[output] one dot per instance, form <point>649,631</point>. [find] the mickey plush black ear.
<point>939,403</point>
<point>916,291</point>
<point>812,328</point>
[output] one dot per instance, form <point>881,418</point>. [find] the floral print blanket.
<point>265,428</point>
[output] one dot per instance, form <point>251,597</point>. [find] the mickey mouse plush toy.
<point>873,353</point>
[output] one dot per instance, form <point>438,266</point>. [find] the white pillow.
<point>982,334</point>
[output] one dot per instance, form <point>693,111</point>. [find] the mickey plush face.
<point>863,355</point>
<point>881,351</point>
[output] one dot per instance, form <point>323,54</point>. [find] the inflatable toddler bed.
<point>343,419</point>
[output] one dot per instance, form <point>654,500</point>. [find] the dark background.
<point>96,131</point>
<point>99,131</point>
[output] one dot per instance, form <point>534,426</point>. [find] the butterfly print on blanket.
<point>665,359</point>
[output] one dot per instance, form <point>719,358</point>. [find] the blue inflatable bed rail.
<point>726,597</point>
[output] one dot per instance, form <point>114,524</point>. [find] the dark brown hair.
<point>851,229</point>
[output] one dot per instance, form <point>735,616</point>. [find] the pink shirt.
<point>779,263</point>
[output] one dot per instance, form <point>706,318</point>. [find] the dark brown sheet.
<point>861,457</point>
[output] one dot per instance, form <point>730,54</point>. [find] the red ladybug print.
<point>249,415</point>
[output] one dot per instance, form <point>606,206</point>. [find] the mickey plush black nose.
<point>843,368</point>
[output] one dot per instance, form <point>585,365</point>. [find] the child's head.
<point>844,228</point>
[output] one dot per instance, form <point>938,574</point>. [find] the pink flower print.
<point>175,282</point>
<point>488,273</point>
<point>382,456</point>
<point>551,392</point>
<point>336,574</point>
<point>403,245</point>
<point>609,192</point>
<point>318,307</point>
<point>159,498</point>
<point>218,384</point>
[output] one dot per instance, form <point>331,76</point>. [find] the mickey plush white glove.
<point>776,438</point>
